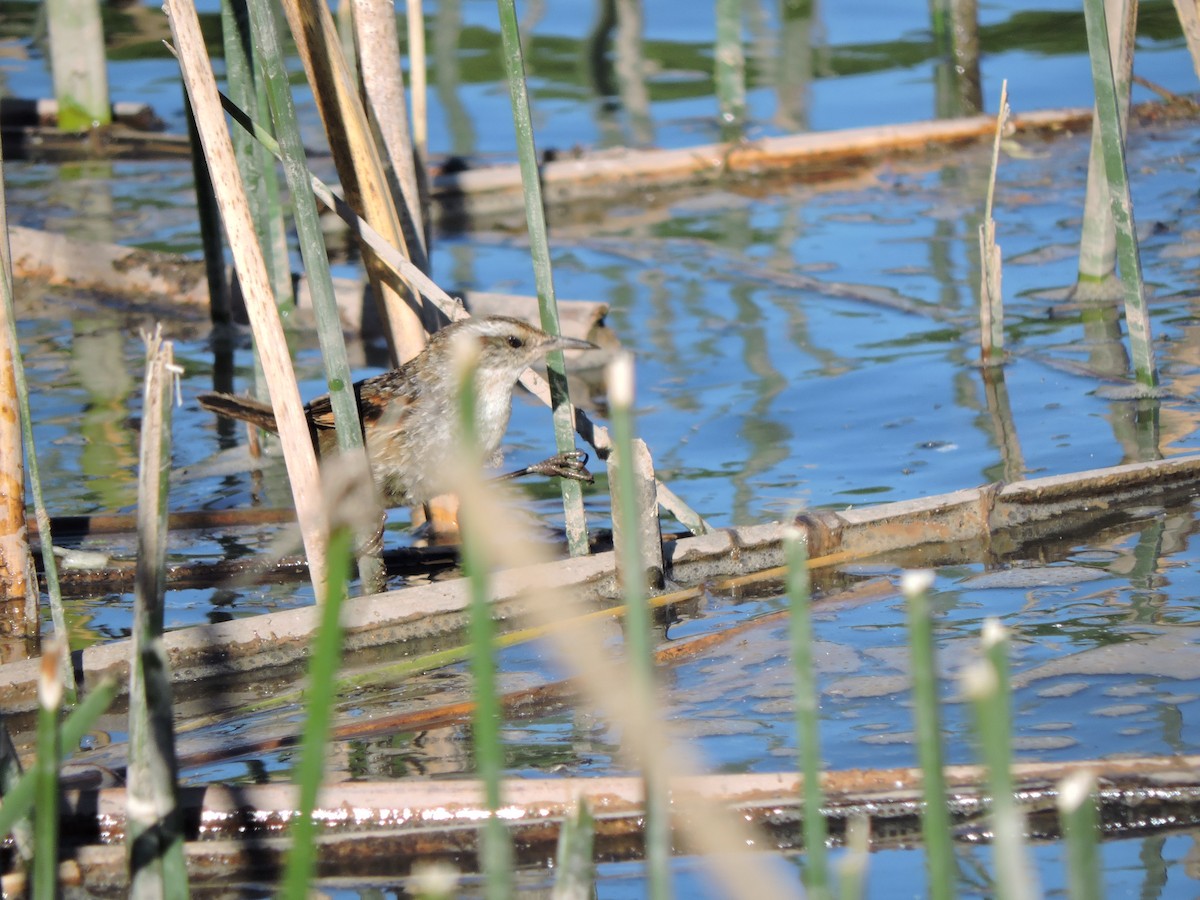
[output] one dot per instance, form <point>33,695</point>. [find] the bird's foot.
<point>572,464</point>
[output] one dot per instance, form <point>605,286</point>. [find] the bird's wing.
<point>378,396</point>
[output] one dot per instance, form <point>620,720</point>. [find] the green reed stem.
<point>338,377</point>
<point>49,753</point>
<point>852,883</point>
<point>1112,138</point>
<point>496,849</point>
<point>808,713</point>
<point>78,64</point>
<point>1098,234</point>
<point>574,871</point>
<point>986,683</point>
<point>258,170</point>
<point>1081,831</point>
<point>318,710</point>
<point>539,248</point>
<point>730,68</point>
<point>638,621</point>
<point>20,799</point>
<point>935,816</point>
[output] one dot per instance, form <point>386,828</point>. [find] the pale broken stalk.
<point>298,452</point>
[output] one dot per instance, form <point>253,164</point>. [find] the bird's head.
<point>501,348</point>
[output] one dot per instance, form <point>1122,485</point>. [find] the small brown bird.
<point>409,414</point>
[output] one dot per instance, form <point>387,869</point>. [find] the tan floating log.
<point>397,822</point>
<point>819,155</point>
<point>964,524</point>
<point>134,274</point>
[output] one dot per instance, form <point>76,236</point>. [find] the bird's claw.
<point>572,465</point>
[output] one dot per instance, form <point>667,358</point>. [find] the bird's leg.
<point>572,464</point>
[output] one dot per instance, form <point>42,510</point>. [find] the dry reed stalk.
<point>18,585</point>
<point>383,83</point>
<point>298,451</point>
<point>15,562</point>
<point>359,166</point>
<point>154,838</point>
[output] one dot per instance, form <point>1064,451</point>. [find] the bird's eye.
<point>515,342</point>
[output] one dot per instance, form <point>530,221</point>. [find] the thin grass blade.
<point>808,717</point>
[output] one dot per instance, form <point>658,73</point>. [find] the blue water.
<point>796,346</point>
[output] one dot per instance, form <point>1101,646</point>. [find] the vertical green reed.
<point>730,68</point>
<point>638,622</point>
<point>539,248</point>
<point>1097,236</point>
<point>496,848</point>
<point>1077,812</point>
<point>986,684</point>
<point>318,712</point>
<point>78,64</point>
<point>338,378</point>
<point>1112,139</point>
<point>808,718</point>
<point>257,167</point>
<point>935,816</point>
<point>49,754</point>
<point>852,869</point>
<point>574,871</point>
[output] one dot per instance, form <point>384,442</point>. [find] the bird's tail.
<point>243,408</point>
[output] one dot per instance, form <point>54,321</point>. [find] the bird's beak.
<point>569,343</point>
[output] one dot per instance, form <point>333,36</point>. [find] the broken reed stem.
<point>477,563</point>
<point>539,248</point>
<point>319,699</point>
<point>935,815</point>
<point>808,713</point>
<point>991,299</point>
<point>17,555</point>
<point>154,819</point>
<point>1112,138</point>
<point>338,378</point>
<point>299,455</point>
<point>631,573</point>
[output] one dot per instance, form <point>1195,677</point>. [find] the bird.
<point>409,415</point>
